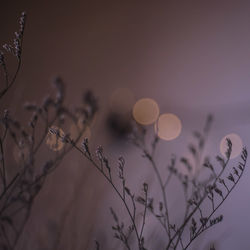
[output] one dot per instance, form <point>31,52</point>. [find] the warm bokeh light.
<point>168,126</point>
<point>146,111</point>
<point>53,141</point>
<point>122,100</point>
<point>237,145</point>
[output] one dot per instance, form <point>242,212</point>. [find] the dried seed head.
<point>7,47</point>
<point>231,178</point>
<point>22,21</point>
<point>85,146</point>
<point>99,153</point>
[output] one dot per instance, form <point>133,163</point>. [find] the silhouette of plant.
<point>22,180</point>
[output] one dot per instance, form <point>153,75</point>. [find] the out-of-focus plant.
<point>21,181</point>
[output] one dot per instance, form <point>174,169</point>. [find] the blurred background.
<point>191,57</point>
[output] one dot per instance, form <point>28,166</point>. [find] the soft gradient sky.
<point>192,57</point>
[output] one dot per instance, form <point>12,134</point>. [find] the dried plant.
<point>21,181</point>
<point>215,188</point>
<point>14,49</point>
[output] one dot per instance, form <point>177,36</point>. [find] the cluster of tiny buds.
<point>16,48</point>
<point>99,153</point>
<point>22,22</point>
<point>85,146</point>
<point>54,131</point>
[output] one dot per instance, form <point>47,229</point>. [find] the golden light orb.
<point>168,126</point>
<point>53,140</point>
<point>146,111</point>
<point>237,145</point>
